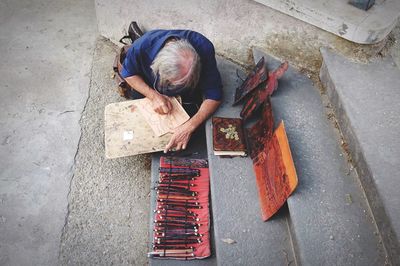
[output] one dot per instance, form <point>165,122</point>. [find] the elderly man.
<point>165,63</point>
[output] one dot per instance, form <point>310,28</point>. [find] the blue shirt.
<point>143,51</point>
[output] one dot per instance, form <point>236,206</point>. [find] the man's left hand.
<point>180,138</point>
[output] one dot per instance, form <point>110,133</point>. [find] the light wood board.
<point>127,132</point>
<point>163,124</point>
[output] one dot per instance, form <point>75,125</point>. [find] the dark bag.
<point>134,33</point>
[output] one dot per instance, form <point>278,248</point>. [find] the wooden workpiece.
<point>128,133</point>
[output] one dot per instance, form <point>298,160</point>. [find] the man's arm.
<point>160,103</point>
<point>182,134</point>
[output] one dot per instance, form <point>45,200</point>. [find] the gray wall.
<point>234,26</point>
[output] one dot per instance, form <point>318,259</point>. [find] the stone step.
<point>234,200</point>
<point>196,149</point>
<point>330,219</point>
<point>343,19</point>
<point>235,205</point>
<point>366,100</point>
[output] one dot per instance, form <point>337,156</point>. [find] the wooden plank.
<point>163,124</point>
<point>275,173</point>
<point>127,132</point>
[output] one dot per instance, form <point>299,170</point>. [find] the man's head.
<point>177,65</point>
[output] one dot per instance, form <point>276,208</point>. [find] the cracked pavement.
<point>46,49</point>
<point>109,199</point>
<point>60,204</point>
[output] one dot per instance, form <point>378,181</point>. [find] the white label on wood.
<point>128,135</point>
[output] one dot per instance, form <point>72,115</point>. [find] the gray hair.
<point>173,59</point>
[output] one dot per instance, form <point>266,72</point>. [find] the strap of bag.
<point>117,66</point>
<point>122,40</point>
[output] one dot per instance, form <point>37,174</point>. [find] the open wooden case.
<point>272,162</point>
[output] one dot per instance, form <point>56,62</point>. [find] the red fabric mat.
<point>202,187</point>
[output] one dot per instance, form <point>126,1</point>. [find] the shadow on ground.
<point>108,213</point>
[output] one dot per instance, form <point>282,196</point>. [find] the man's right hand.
<point>161,104</point>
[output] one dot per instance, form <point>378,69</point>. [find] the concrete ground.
<point>109,199</point>
<point>46,52</point>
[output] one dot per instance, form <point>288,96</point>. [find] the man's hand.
<point>161,104</point>
<point>180,138</point>
<point>182,134</point>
